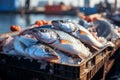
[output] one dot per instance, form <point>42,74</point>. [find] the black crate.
<point>53,71</point>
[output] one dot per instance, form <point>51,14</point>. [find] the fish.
<point>105,29</point>
<point>29,48</point>
<point>61,41</point>
<point>42,52</point>
<point>78,32</point>
<point>7,44</point>
<point>84,23</point>
<point>65,59</point>
<point>28,30</point>
<point>22,40</point>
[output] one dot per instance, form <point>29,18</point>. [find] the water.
<point>6,20</point>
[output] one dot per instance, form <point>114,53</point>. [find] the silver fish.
<point>79,32</point>
<point>29,48</point>
<point>7,45</point>
<point>65,59</point>
<point>61,41</point>
<point>28,30</point>
<point>21,42</point>
<point>105,29</point>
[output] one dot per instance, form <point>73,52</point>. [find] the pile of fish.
<point>64,41</point>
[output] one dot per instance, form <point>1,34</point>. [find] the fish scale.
<point>29,47</point>
<point>70,37</point>
<point>64,42</point>
<point>80,33</point>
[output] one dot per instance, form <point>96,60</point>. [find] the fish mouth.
<point>55,60</point>
<point>51,58</point>
<point>51,53</point>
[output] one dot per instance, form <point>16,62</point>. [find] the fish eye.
<point>42,30</point>
<point>47,50</point>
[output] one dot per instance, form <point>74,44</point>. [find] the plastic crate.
<point>56,71</point>
<point>117,45</point>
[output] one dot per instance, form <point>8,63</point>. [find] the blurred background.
<point>26,12</point>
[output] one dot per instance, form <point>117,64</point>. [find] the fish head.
<point>45,35</point>
<point>46,52</point>
<point>65,26</point>
<point>51,53</point>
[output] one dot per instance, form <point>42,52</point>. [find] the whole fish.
<point>29,48</point>
<point>61,41</point>
<point>79,32</point>
<point>21,42</point>
<point>7,45</point>
<point>105,29</point>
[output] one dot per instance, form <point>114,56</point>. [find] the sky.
<point>67,2</point>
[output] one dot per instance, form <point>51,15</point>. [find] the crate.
<point>90,73</point>
<point>56,71</point>
<point>117,45</point>
<point>117,42</point>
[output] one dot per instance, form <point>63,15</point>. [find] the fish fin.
<point>83,32</point>
<point>63,41</point>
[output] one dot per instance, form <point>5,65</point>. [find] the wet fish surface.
<point>61,41</point>
<point>79,32</point>
<point>105,29</point>
<point>30,48</point>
